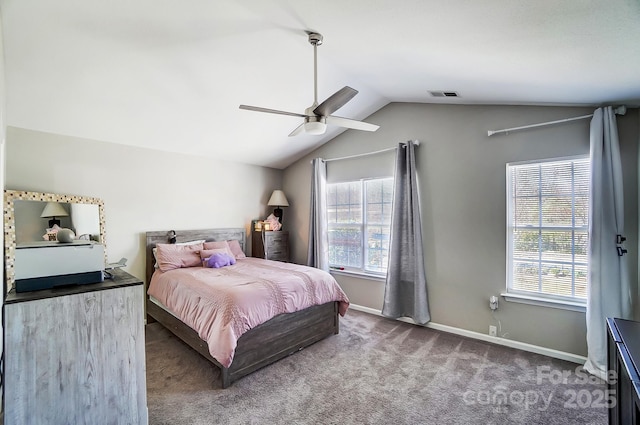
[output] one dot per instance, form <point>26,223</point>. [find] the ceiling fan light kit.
<point>316,117</point>
<point>315,127</point>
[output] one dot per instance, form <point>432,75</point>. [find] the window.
<point>547,229</point>
<point>359,221</point>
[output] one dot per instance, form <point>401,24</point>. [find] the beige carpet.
<point>376,371</point>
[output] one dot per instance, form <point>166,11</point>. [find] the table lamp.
<point>53,210</point>
<point>278,200</point>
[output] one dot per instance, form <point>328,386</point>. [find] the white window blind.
<point>547,228</point>
<point>359,221</point>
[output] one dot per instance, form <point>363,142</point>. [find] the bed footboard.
<point>273,340</point>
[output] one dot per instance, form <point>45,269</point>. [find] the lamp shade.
<point>278,199</point>
<point>54,209</point>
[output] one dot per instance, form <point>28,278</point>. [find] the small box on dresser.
<point>270,245</point>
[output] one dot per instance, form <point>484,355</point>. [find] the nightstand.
<point>270,245</point>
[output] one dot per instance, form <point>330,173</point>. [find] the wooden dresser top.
<point>120,279</point>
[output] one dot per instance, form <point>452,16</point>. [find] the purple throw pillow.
<point>220,260</point>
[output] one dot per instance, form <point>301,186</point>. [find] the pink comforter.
<point>222,304</point>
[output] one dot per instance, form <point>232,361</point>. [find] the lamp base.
<point>53,222</point>
<point>278,214</point>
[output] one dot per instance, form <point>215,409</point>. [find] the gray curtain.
<point>318,255</point>
<point>405,292</point>
<point>608,285</point>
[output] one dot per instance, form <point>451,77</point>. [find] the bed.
<point>261,344</point>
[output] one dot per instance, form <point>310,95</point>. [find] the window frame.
<point>540,298</point>
<point>362,226</point>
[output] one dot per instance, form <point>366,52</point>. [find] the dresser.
<point>76,355</point>
<point>623,364</point>
<point>270,245</point>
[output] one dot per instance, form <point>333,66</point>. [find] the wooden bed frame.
<point>277,338</point>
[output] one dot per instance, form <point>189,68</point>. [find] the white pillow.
<point>191,242</point>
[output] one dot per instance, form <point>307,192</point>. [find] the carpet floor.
<point>376,371</point>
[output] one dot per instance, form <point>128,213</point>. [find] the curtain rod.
<point>621,110</point>
<point>415,142</point>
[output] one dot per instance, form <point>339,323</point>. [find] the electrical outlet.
<point>493,302</point>
<point>493,331</point>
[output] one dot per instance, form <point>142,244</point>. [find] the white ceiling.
<point>170,74</point>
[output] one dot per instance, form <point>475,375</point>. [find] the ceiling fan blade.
<point>299,129</point>
<point>348,123</point>
<point>335,101</point>
<point>271,111</point>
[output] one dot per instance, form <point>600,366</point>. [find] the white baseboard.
<point>492,339</point>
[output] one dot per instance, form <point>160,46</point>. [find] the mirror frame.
<point>10,222</point>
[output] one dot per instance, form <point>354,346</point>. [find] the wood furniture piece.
<point>270,245</point>
<point>76,355</point>
<point>275,339</point>
<point>623,364</point>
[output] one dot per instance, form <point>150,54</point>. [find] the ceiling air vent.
<point>443,94</point>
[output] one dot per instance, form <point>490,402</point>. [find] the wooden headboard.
<point>209,235</point>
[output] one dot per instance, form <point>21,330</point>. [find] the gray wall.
<point>462,188</point>
<point>3,128</point>
<point>142,189</point>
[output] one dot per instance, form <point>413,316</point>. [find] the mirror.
<point>26,221</point>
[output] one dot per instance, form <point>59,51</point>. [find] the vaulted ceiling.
<point>170,75</point>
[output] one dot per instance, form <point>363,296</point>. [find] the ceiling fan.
<point>316,117</point>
